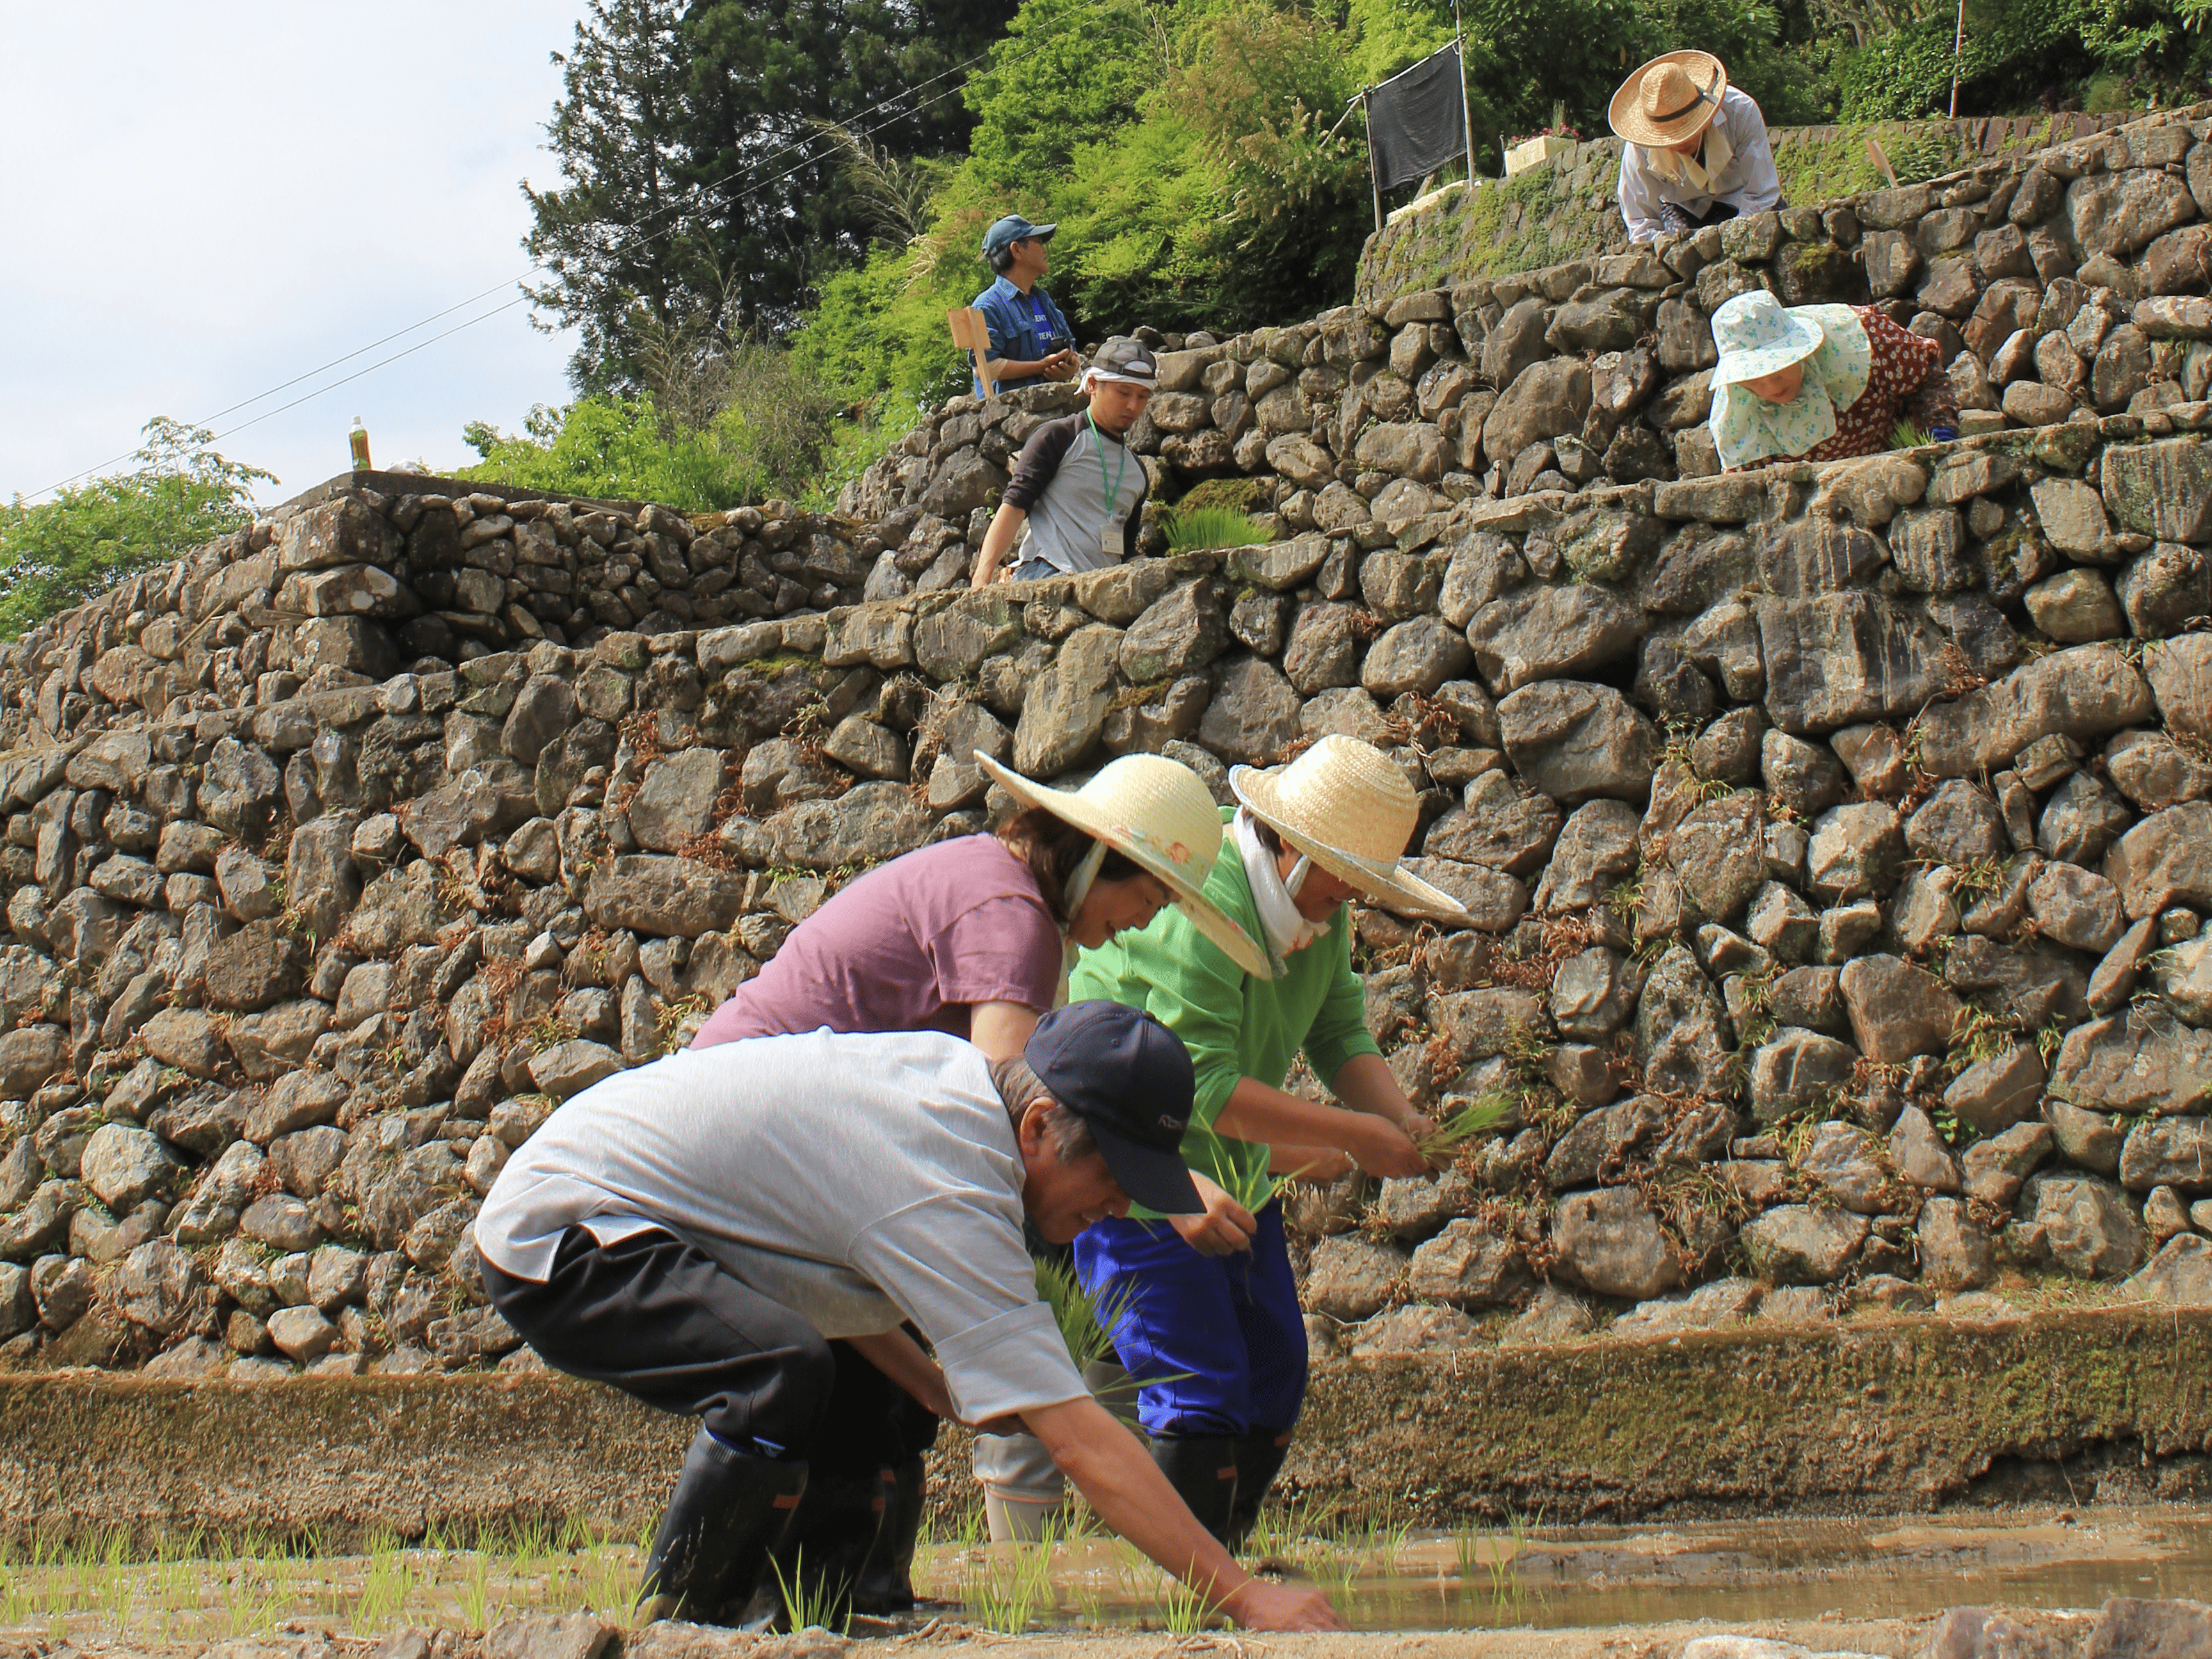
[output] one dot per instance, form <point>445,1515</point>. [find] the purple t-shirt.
<point>906,948</point>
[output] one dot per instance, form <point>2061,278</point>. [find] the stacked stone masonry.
<point>1566,208</point>
<point>1837,839</point>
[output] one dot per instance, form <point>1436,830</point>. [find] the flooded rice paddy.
<point>1384,1577</point>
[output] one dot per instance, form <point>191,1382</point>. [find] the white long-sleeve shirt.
<point>1745,180</point>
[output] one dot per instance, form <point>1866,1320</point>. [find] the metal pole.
<point>1466,112</point>
<point>1957,46</point>
<point>1374,178</point>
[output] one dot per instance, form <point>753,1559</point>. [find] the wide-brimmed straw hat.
<point>1669,100</point>
<point>1346,806</point>
<point>1159,815</point>
<point>1757,336</point>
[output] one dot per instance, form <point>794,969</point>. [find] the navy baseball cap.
<point>1129,1078</point>
<point>1011,230</point>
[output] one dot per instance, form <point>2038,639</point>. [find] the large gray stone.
<point>1799,1071</point>
<point>2086,694</point>
<point>868,824</point>
<point>1595,851</point>
<point>2162,489</point>
<point>1959,824</point>
<point>1799,1244</point>
<point>1898,1010</point>
<point>1833,659</point>
<point>1417,655</point>
<point>2128,1065</point>
<point>1501,826</point>
<point>1351,1278</point>
<point>2086,1222</point>
<point>2164,860</point>
<point>2180,1275</point>
<point>1065,707</point>
<point>1573,741</point>
<point>677,801</point>
<point>2174,1152</point>
<point>1610,1243</point>
<point>1254,715</point>
<point>1682,1031</point>
<point>663,896</point>
<point>1546,633</point>
<point>1994,1094</point>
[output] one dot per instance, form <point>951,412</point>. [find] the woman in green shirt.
<point>1223,1333</point>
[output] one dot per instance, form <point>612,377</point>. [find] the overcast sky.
<point>203,200</point>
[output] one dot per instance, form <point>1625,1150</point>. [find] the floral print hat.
<point>1757,336</point>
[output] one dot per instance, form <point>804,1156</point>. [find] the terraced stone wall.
<point>1836,841</point>
<point>2061,285</point>
<point>1566,208</point>
<point>1835,837</point>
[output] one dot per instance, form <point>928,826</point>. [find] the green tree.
<point>180,493</point>
<point>694,177</point>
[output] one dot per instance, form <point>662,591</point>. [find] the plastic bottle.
<point>359,437</point>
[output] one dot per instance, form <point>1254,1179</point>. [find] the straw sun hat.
<point>1159,815</point>
<point>1346,806</point>
<point>1669,100</point>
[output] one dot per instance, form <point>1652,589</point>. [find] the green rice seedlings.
<point>473,1593</point>
<point>1481,1114</point>
<point>117,1582</point>
<point>1211,527</point>
<point>384,1586</point>
<point>1905,435</point>
<point>1083,1318</point>
<point>1184,1610</point>
<point>810,1607</point>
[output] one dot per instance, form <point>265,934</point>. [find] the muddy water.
<point>1595,1578</point>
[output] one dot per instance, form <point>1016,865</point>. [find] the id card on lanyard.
<point>1110,533</point>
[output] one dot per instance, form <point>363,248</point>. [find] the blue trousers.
<point>1223,1331</point>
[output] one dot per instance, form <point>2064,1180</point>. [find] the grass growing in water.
<point>809,1606</point>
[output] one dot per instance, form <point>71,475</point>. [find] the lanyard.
<point>1120,464</point>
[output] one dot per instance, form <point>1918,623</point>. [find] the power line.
<point>641,238</point>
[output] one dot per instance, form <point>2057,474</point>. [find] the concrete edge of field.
<point>1910,1415</point>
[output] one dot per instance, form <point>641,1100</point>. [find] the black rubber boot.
<point>886,1583</point>
<point>1202,1468</point>
<point>1259,1458</point>
<point>728,1514</point>
<point>832,1534</point>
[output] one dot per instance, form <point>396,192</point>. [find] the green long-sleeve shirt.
<point>1235,1026</point>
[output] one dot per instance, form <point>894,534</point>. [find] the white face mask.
<point>1273,894</point>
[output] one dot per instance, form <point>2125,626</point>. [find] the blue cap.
<point>1011,230</point>
<point>1129,1078</point>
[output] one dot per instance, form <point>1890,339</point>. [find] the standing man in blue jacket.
<point>1029,336</point>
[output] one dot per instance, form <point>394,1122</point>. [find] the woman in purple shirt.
<point>974,936</point>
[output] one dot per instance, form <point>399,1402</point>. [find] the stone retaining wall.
<point>1835,837</point>
<point>1567,207</point>
<point>1898,1416</point>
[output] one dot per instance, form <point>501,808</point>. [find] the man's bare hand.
<point>1384,1149</point>
<point>1226,1227</point>
<point>1260,1605</point>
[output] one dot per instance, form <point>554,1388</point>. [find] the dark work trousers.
<point>661,1320</point>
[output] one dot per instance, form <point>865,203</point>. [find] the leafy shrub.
<point>91,536</point>
<point>724,424</point>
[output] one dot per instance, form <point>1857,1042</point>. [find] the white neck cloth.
<point>1271,895</point>
<point>1698,170</point>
